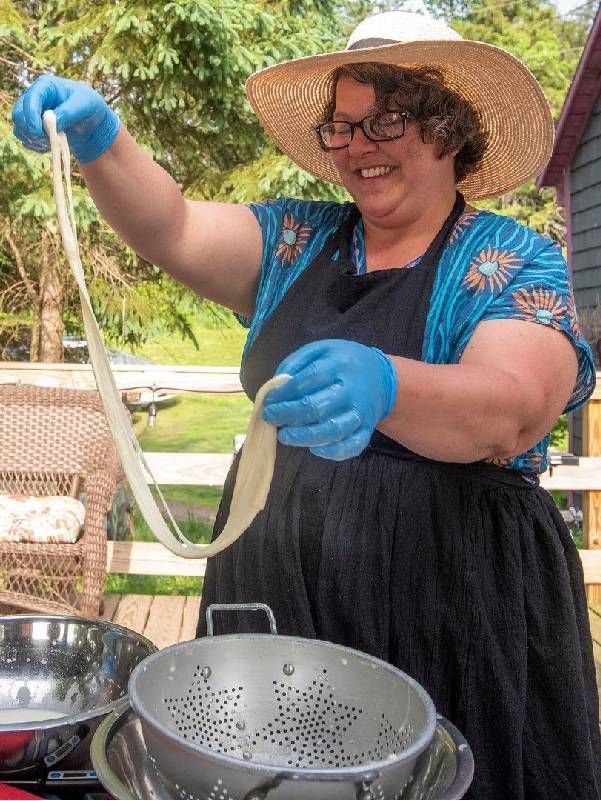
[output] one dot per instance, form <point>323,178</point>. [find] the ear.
<point>450,155</point>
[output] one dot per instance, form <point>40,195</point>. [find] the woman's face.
<point>414,178</point>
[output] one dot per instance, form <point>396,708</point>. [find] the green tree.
<point>551,46</point>
<point>28,242</point>
<point>533,30</point>
<point>37,296</point>
<point>175,73</point>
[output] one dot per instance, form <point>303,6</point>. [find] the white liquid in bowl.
<point>20,714</point>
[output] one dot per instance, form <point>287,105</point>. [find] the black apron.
<point>464,576</point>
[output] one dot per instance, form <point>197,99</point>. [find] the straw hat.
<point>290,98</point>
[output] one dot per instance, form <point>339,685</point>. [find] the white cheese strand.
<point>255,469</point>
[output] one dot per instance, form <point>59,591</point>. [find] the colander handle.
<point>240,608</point>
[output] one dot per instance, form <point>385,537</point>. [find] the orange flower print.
<point>498,461</point>
<point>293,240</point>
<point>573,316</point>
<point>462,223</point>
<point>532,462</point>
<point>540,305</point>
<point>491,268</point>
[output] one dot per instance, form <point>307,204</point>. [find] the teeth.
<point>374,172</point>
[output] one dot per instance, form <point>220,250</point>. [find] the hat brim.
<point>290,99</point>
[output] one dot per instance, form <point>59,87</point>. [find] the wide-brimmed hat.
<point>290,98</point>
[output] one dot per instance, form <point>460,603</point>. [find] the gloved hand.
<point>91,126</point>
<point>339,391</point>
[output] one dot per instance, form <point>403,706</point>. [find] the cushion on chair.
<point>49,519</point>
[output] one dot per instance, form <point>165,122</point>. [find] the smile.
<point>375,172</point>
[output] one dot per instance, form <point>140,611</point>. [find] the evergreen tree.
<point>175,73</point>
<point>551,46</point>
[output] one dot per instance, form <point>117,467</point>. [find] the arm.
<point>214,248</point>
<point>512,383</point>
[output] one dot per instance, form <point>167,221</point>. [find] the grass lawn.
<point>194,529</point>
<point>198,423</point>
<point>218,345</point>
<point>207,497</point>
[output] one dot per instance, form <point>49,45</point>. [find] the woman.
<point>431,348</point>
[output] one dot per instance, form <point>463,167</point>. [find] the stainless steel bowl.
<point>68,665</point>
<point>120,759</point>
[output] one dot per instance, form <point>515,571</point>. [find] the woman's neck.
<point>401,243</point>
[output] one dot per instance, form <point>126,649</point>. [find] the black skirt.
<point>464,577</point>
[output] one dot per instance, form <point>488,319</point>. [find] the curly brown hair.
<point>441,113</point>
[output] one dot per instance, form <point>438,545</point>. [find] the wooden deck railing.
<point>591,506</point>
<point>210,469</point>
<point>186,378</point>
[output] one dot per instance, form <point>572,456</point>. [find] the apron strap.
<point>342,238</point>
<point>432,254</point>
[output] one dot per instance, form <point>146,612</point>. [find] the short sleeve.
<point>270,216</point>
<point>294,232</point>
<point>541,292</point>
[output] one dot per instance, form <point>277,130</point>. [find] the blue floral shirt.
<point>491,268</point>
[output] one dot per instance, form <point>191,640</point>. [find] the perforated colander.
<point>265,716</point>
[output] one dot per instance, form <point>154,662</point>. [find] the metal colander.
<point>265,716</point>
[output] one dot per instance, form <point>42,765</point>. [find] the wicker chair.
<point>57,442</point>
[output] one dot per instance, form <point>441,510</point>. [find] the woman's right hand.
<point>90,125</point>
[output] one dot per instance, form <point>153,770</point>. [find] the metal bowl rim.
<point>264,768</point>
<point>81,717</point>
<point>464,758</point>
<point>98,752</point>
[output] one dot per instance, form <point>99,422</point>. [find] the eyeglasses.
<point>380,127</point>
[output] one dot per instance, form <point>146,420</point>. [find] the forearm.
<point>462,412</point>
<point>137,198</point>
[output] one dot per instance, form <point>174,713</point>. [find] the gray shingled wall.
<point>586,226</point>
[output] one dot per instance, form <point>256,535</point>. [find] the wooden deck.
<point>168,619</point>
<point>163,619</point>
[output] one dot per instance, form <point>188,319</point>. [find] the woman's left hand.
<point>337,394</point>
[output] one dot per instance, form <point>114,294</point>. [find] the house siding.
<point>585,201</point>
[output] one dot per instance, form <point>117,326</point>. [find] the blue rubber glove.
<point>338,393</point>
<point>90,125</point>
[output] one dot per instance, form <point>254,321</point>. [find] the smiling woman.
<point>405,182</point>
<point>431,346</point>
<point>420,95</point>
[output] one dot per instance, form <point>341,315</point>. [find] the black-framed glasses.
<point>379,127</point>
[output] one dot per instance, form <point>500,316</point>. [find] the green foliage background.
<point>175,73</point>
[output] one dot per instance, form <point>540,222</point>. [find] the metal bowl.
<point>58,664</point>
<point>120,759</point>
